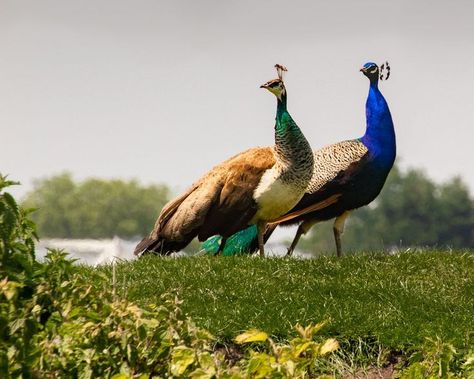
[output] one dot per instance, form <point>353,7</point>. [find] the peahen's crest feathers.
<point>280,70</point>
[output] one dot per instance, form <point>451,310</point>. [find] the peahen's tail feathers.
<point>147,245</point>
<point>159,246</point>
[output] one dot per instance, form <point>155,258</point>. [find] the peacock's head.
<point>374,73</point>
<point>276,86</point>
<point>371,70</point>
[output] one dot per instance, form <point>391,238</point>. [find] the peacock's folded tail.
<point>242,242</point>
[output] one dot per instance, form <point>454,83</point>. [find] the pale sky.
<point>162,91</point>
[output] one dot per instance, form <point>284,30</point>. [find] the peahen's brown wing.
<point>221,202</point>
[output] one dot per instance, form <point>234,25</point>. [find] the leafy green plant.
<point>294,360</point>
<point>18,279</point>
<point>436,360</point>
<point>102,337</point>
<point>468,365</point>
<point>17,236</point>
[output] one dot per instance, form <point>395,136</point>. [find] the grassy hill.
<point>397,300</point>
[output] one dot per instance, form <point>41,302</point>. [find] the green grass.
<point>396,300</point>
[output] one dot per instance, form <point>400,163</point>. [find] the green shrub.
<point>19,273</point>
<point>438,360</point>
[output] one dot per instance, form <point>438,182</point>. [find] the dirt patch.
<point>374,373</point>
<point>394,361</point>
<point>232,352</point>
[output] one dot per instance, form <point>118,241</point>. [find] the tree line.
<point>94,208</point>
<point>412,210</point>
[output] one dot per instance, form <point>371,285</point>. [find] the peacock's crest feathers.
<point>384,71</point>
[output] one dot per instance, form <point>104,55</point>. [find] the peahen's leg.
<point>261,228</point>
<point>338,229</point>
<point>303,228</point>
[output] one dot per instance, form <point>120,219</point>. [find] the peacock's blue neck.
<point>379,136</point>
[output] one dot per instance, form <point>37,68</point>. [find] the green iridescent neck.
<point>291,147</point>
<point>281,106</point>
<point>283,120</point>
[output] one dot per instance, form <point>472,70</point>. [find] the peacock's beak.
<point>362,69</point>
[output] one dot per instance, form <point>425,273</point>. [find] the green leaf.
<point>119,376</point>
<point>181,358</point>
<point>469,361</point>
<point>207,369</point>
<point>11,202</point>
<point>205,360</point>
<point>261,366</point>
<point>298,349</point>
<point>329,346</point>
<point>252,335</point>
<point>201,374</point>
<point>9,288</point>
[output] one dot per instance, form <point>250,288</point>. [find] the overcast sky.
<point>162,91</point>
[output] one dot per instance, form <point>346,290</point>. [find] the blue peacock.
<point>355,170</point>
<point>250,188</point>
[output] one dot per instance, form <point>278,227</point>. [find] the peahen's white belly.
<point>274,197</point>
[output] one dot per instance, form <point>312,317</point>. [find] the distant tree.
<point>455,215</point>
<point>94,208</point>
<point>411,211</point>
<point>406,211</point>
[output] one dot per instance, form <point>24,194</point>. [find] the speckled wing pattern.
<point>331,160</point>
<point>335,167</point>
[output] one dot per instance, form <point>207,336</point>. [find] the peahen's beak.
<point>263,86</point>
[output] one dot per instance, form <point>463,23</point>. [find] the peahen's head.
<point>276,86</point>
